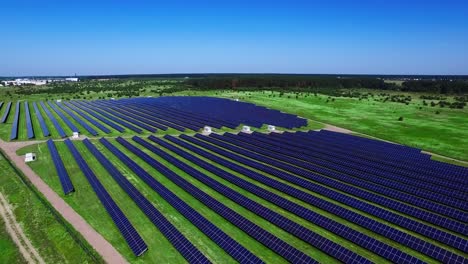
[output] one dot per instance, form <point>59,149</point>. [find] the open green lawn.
<point>50,237</point>
<point>445,133</point>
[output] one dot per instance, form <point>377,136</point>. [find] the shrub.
<point>400,119</point>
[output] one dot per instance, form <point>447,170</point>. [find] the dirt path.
<point>15,231</point>
<point>99,243</point>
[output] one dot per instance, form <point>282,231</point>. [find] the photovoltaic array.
<point>150,115</point>
<point>297,195</point>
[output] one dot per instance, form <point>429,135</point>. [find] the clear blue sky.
<point>126,37</point>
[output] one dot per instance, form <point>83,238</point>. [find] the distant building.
<point>74,79</point>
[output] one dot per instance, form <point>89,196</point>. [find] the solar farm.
<point>184,179</point>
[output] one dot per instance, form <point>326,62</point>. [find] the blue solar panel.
<point>52,118</point>
<point>322,157</point>
<point>79,120</point>
<point>369,196</point>
<point>342,173</point>
<point>14,128</point>
<point>134,240</point>
<point>217,235</point>
<point>109,116</point>
<point>29,125</point>
<point>63,117</point>
<point>269,240</point>
<point>88,118</point>
<point>98,117</point>
<point>6,113</point>
<point>45,130</point>
<point>64,178</point>
<point>187,249</point>
<point>410,224</point>
<point>332,226</point>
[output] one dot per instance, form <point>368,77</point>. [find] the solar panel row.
<point>396,160</point>
<point>6,113</point>
<point>63,117</point>
<point>359,179</point>
<point>64,178</point>
<point>88,118</point>
<point>45,130</point>
<point>386,178</point>
<point>77,119</point>
<point>52,118</point>
<point>29,126</point>
<point>273,217</point>
<point>369,196</point>
<point>378,212</point>
<point>217,235</point>
<point>181,243</point>
<point>269,240</point>
<point>133,239</point>
<point>111,117</point>
<point>332,226</point>
<point>121,114</point>
<point>98,117</point>
<point>14,128</point>
<point>373,225</point>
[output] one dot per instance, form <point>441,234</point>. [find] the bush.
<point>400,119</point>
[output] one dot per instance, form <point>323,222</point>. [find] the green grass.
<point>50,237</point>
<point>10,253</point>
<point>445,133</point>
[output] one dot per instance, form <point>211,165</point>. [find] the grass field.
<point>48,236</point>
<point>10,253</point>
<point>445,133</point>
<point>85,202</point>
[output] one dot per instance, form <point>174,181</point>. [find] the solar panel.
<point>343,173</point>
<point>45,130</point>
<point>180,242</point>
<point>269,240</point>
<point>131,236</point>
<point>6,113</point>
<point>52,118</point>
<point>64,178</point>
<point>14,128</point>
<point>410,224</point>
<point>98,117</point>
<point>233,248</point>
<point>87,117</point>
<point>29,126</point>
<point>328,224</point>
<point>79,120</point>
<point>369,196</point>
<point>64,118</point>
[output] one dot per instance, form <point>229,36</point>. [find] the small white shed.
<point>246,129</point>
<point>30,157</point>
<point>75,135</point>
<point>59,100</point>
<point>271,128</point>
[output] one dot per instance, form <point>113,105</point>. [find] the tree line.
<point>312,84</point>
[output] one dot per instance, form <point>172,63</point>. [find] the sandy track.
<point>99,243</point>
